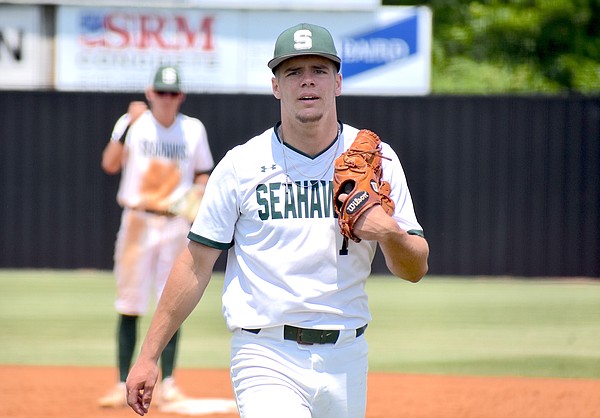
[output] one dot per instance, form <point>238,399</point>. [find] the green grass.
<point>486,327</point>
<point>442,325</point>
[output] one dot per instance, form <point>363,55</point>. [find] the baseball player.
<point>161,154</point>
<point>296,307</point>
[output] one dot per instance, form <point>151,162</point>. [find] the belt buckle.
<point>299,339</point>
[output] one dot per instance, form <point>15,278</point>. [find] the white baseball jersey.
<point>272,207</point>
<point>161,162</point>
<point>159,165</point>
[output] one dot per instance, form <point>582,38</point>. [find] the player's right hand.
<point>135,110</point>
<point>140,384</point>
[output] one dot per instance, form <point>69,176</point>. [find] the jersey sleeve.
<point>203,159</point>
<point>404,212</point>
<point>120,128</point>
<point>216,219</point>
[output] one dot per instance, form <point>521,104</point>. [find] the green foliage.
<point>439,325</point>
<point>463,75</point>
<point>548,46</point>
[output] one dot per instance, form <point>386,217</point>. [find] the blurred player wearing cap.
<point>297,309</point>
<point>160,154</point>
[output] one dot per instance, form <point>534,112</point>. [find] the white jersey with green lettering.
<point>271,206</point>
<point>161,162</point>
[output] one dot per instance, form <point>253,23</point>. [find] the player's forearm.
<point>184,288</point>
<point>405,255</point>
<point>160,332</point>
<point>166,321</point>
<point>201,178</point>
<point>112,157</point>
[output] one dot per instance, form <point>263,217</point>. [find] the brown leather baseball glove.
<point>357,173</point>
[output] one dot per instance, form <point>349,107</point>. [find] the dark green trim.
<point>416,232</point>
<point>209,243</point>
<point>296,150</point>
<point>202,172</point>
<point>124,136</point>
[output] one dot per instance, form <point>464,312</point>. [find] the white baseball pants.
<point>274,378</point>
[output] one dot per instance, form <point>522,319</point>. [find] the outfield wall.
<point>502,185</point>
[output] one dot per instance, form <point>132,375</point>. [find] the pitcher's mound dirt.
<point>71,392</point>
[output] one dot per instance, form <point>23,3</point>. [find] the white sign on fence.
<point>384,52</point>
<point>25,50</point>
<point>223,4</point>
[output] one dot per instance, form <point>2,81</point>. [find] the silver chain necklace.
<point>306,176</point>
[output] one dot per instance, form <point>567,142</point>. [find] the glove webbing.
<point>353,151</point>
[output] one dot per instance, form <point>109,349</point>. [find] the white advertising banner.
<point>384,52</point>
<point>223,4</point>
<point>119,49</point>
<point>25,52</point>
<point>289,4</point>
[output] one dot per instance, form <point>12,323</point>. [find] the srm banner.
<point>384,52</point>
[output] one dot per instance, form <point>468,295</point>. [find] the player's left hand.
<point>188,205</point>
<point>374,224</point>
<point>357,173</point>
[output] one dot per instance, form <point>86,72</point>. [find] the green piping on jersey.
<point>208,242</point>
<point>416,232</point>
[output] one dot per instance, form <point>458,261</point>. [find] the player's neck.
<point>309,138</point>
<point>166,119</point>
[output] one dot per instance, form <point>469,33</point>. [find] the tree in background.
<point>508,46</point>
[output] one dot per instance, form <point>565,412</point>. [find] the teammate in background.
<point>297,309</point>
<point>161,156</point>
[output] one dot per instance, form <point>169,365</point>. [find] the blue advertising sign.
<point>381,46</point>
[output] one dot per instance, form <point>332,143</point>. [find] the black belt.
<point>160,212</point>
<point>308,336</point>
<point>157,212</point>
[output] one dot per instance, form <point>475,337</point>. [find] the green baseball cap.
<point>166,79</point>
<point>304,39</point>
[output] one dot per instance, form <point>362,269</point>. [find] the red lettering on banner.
<point>205,29</point>
<point>152,27</point>
<point>123,37</point>
<point>147,31</point>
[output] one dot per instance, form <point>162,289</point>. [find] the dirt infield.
<point>71,392</point>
